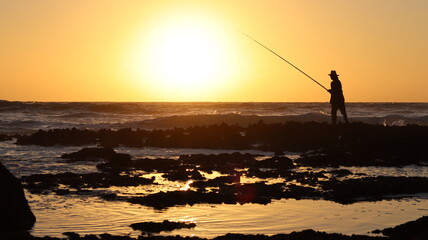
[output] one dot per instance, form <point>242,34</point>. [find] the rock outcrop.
<point>15,213</point>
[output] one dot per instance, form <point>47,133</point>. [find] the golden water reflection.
<point>186,186</point>
<point>91,215</point>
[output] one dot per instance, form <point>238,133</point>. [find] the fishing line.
<point>283,59</point>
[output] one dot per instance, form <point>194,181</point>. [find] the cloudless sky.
<point>141,50</point>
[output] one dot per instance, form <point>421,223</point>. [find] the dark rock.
<point>373,188</point>
<point>159,164</point>
<point>71,235</point>
<point>229,194</point>
<point>183,174</point>
<point>336,158</point>
<point>122,163</point>
<point>125,136</point>
<point>347,144</point>
<point>67,137</point>
<point>218,181</point>
<point>4,137</point>
<point>276,162</point>
<point>265,173</point>
<point>165,226</point>
<point>165,200</point>
<point>417,229</point>
<point>303,235</point>
<point>15,213</point>
<point>109,196</point>
<point>341,172</point>
<point>106,236</point>
<point>322,160</point>
<point>224,162</point>
<point>91,154</point>
<point>299,192</point>
<point>50,182</point>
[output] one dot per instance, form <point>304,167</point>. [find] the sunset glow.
<point>189,50</point>
<point>187,57</point>
<point>213,119</point>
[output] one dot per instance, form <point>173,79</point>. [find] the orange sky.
<point>108,50</point>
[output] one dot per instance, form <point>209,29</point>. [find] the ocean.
<point>89,214</point>
<point>24,117</point>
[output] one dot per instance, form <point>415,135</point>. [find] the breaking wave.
<point>18,117</point>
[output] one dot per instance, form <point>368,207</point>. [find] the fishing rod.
<point>284,59</point>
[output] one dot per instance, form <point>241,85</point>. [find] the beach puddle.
<point>90,215</point>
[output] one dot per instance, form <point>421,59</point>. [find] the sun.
<point>187,58</point>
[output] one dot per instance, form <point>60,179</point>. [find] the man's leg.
<point>344,114</point>
<point>333,114</point>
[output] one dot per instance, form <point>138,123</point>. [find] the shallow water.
<point>23,160</point>
<point>27,160</point>
<point>92,215</point>
<point>89,215</point>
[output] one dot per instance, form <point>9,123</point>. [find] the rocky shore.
<point>315,174</point>
<point>296,180</point>
<point>15,213</point>
<point>414,230</point>
<point>303,235</point>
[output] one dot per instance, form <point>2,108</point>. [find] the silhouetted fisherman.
<point>337,100</point>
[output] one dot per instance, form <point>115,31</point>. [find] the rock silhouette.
<point>15,213</point>
<point>90,154</point>
<point>354,144</point>
<point>411,230</point>
<point>302,235</point>
<point>165,226</point>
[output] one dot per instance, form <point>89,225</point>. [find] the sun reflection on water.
<point>186,186</point>
<point>188,219</point>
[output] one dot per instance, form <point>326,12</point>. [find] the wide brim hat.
<point>333,73</point>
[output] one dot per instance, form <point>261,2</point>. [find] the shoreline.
<point>321,146</point>
<point>409,230</point>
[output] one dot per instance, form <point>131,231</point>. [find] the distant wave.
<point>31,116</point>
<point>245,120</point>
<point>78,115</point>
